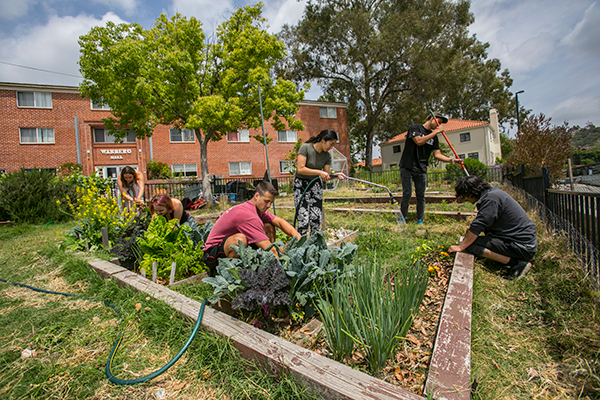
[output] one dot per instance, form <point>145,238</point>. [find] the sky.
<point>550,47</point>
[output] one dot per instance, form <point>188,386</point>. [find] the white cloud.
<point>577,110</point>
<point>584,39</point>
<point>10,9</point>
<point>531,54</point>
<point>128,6</point>
<point>50,47</point>
<point>281,12</point>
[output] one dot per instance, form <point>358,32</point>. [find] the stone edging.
<point>331,379</point>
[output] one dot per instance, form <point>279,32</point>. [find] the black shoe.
<point>518,270</point>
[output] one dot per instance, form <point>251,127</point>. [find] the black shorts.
<point>501,246</point>
<point>212,255</point>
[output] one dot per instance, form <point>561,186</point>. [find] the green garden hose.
<point>113,352</point>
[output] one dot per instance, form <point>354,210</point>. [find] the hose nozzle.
<point>394,202</point>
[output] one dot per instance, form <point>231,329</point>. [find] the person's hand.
<point>324,176</point>
<point>454,249</point>
<point>341,176</point>
<point>439,129</point>
<point>458,161</point>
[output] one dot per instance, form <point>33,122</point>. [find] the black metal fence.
<point>574,215</point>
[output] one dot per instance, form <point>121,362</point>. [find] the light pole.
<point>518,119</point>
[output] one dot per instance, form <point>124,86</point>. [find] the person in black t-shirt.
<point>421,141</point>
<point>510,235</point>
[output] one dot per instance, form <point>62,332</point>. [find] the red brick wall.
<point>67,104</point>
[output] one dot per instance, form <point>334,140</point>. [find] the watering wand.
<point>447,141</point>
<point>393,200</point>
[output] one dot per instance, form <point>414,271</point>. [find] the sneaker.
<point>518,271</point>
<point>420,222</point>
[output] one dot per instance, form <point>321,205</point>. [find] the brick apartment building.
<point>45,126</point>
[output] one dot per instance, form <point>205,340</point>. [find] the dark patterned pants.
<point>309,212</point>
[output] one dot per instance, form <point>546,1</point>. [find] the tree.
<point>172,75</point>
<point>391,60</point>
<point>540,144</point>
<point>506,147</point>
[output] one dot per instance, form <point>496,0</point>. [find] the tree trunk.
<point>206,190</point>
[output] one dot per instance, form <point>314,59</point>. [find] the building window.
<point>286,167</point>
<point>242,136</point>
<point>461,156</point>
<point>397,149</point>
<point>240,168</point>
<point>465,137</point>
<point>474,155</point>
<point>182,135</point>
<point>103,136</point>
<point>184,169</point>
<point>286,136</point>
<point>34,99</point>
<point>36,135</point>
<point>328,112</point>
<point>99,106</point>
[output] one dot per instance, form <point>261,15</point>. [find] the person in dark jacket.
<point>509,233</point>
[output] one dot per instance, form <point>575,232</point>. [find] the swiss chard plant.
<point>165,243</point>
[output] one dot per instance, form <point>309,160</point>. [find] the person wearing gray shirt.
<point>509,233</point>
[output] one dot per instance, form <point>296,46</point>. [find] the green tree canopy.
<point>392,60</point>
<point>173,75</point>
<point>540,144</point>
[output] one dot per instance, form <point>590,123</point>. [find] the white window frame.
<point>113,139</point>
<point>465,137</point>
<point>39,135</point>
<point>185,169</point>
<point>476,154</point>
<point>100,106</point>
<point>183,132</point>
<point>328,112</point>
<point>241,136</point>
<point>286,166</point>
<point>240,168</point>
<point>288,136</point>
<point>39,98</point>
<point>461,156</point>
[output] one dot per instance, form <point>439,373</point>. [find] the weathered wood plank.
<point>458,215</point>
<point>449,374</point>
<point>330,378</point>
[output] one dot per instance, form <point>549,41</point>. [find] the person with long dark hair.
<point>509,238</point>
<point>313,161</point>
<point>131,185</point>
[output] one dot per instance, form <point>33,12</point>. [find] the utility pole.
<point>518,119</point>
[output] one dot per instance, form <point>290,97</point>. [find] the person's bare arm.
<point>264,244</point>
<point>439,156</point>
<point>286,227</point>
<point>124,191</point>
<point>177,209</point>
<point>467,241</point>
<point>421,140</point>
<point>141,183</point>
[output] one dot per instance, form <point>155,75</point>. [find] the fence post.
<point>172,277</point>
<point>154,272</point>
<point>546,176</point>
<point>104,233</point>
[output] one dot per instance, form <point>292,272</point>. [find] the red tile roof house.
<point>375,164</point>
<point>470,139</point>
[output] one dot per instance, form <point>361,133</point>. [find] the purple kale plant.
<point>268,287</point>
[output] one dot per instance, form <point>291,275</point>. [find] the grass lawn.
<point>533,338</point>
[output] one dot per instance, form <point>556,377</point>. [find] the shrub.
<point>158,170</point>
<point>35,196</point>
<point>475,167</point>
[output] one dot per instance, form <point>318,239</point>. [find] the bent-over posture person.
<point>250,223</point>
<point>131,185</point>
<point>509,233</point>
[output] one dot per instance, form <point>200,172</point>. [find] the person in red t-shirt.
<point>250,223</point>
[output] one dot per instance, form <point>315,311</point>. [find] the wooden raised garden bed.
<point>449,372</point>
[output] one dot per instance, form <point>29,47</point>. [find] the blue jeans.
<point>420,179</point>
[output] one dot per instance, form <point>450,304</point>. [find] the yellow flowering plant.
<point>96,208</point>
